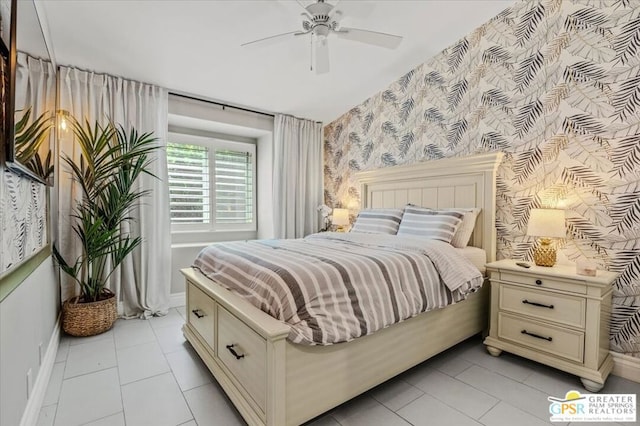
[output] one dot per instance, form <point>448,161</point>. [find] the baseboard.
<point>626,366</point>
<point>177,299</point>
<point>34,403</point>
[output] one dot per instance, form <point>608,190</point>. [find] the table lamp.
<point>546,224</point>
<point>340,219</point>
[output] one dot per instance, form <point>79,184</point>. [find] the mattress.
<point>475,255</point>
<point>335,287</point>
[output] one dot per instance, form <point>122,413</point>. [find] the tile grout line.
<point>55,415</point>
<point>84,374</point>
<point>454,408</point>
<point>465,369</point>
<point>496,372</point>
<point>104,417</point>
<point>55,412</point>
<point>124,417</point>
<point>500,399</point>
<point>404,405</point>
<point>492,407</point>
<point>90,372</point>
<point>193,417</point>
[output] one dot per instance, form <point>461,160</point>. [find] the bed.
<point>273,381</point>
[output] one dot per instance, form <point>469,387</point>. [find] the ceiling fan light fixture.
<point>321,30</point>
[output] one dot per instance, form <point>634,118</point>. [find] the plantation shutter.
<point>189,193</point>
<point>234,187</point>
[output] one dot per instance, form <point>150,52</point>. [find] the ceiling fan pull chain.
<point>311,53</point>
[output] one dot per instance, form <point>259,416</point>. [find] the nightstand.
<point>553,316</point>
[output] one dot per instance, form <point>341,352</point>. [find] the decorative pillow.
<point>378,221</point>
<point>464,231</point>
<point>431,224</point>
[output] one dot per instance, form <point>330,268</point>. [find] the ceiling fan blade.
<point>306,12</point>
<point>322,55</point>
<point>270,38</point>
<point>335,9</point>
<point>389,41</point>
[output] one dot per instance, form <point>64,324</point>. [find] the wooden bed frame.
<point>274,382</point>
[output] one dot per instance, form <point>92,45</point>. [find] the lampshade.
<point>340,217</point>
<point>546,223</point>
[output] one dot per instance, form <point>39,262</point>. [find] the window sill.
<point>193,237</point>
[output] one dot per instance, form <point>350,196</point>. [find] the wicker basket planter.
<point>89,319</point>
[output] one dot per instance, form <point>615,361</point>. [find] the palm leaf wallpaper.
<point>555,84</point>
<point>23,218</point>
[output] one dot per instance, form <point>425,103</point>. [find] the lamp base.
<point>545,253</point>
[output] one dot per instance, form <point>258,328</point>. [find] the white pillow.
<point>464,231</point>
<point>378,221</point>
<point>430,224</point>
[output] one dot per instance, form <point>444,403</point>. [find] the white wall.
<point>27,319</point>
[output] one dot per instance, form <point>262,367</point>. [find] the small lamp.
<point>63,117</point>
<point>340,219</point>
<point>546,224</point>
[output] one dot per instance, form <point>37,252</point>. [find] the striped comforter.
<point>335,287</point>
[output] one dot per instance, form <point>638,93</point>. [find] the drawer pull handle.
<point>198,313</point>
<point>542,305</point>
<point>234,353</point>
<point>539,282</point>
<point>537,336</point>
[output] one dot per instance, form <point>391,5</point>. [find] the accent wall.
<point>556,86</point>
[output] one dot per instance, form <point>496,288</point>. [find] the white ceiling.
<point>194,47</point>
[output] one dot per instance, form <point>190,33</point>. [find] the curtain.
<point>143,281</point>
<point>297,176</point>
<point>35,85</point>
<point>23,202</point>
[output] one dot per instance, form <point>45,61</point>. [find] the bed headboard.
<point>451,182</point>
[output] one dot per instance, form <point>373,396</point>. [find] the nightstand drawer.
<point>561,342</point>
<point>543,282</point>
<point>555,307</point>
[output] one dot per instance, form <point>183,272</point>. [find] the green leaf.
<point>29,139</point>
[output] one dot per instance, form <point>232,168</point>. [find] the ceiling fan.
<point>320,21</point>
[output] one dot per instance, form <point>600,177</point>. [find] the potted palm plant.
<point>111,161</point>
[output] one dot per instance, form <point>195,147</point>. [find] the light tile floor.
<point>143,373</point>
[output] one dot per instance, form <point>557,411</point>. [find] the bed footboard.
<point>274,382</point>
<point>242,346</point>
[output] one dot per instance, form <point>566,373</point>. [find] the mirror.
<point>33,91</point>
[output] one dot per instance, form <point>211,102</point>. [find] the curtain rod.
<point>223,105</point>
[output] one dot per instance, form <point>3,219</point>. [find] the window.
<point>188,183</point>
<point>211,183</point>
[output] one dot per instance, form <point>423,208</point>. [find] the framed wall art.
<point>5,21</point>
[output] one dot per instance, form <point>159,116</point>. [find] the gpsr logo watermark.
<point>576,407</point>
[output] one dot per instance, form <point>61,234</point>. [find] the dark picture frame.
<point>4,101</point>
<point>7,35</point>
<point>26,14</point>
<point>6,11</point>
